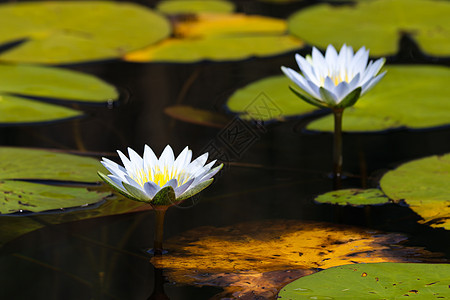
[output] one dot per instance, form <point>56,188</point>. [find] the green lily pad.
<point>409,96</point>
<point>377,25</point>
<point>423,185</point>
<point>354,197</point>
<point>195,6</point>
<point>268,99</point>
<point>373,281</point>
<point>34,81</point>
<point>73,32</point>
<point>220,37</point>
<point>18,164</point>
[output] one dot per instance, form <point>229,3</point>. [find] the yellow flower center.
<point>336,78</point>
<point>160,177</point>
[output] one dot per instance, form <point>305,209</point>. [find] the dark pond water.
<point>275,176</point>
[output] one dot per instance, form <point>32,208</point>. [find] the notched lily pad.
<point>270,98</point>
<point>373,281</point>
<point>19,81</point>
<point>18,164</point>
<point>378,25</point>
<point>220,37</point>
<point>194,6</point>
<point>423,185</point>
<point>228,257</point>
<point>354,197</point>
<point>77,31</point>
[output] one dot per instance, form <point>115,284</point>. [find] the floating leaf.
<point>24,164</point>
<point>197,116</point>
<point>354,197</point>
<point>72,32</point>
<point>198,256</point>
<point>34,81</point>
<point>373,281</point>
<point>272,98</point>
<point>423,185</point>
<point>378,25</point>
<point>195,6</point>
<point>220,37</point>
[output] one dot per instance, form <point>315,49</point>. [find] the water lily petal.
<point>372,69</point>
<point>370,84</point>
<point>126,162</point>
<point>354,83</point>
<point>172,182</point>
<point>331,56</point>
<point>359,61</point>
<point>307,69</point>
<point>181,160</point>
<point>182,188</point>
<point>329,84</point>
<point>319,63</point>
<point>137,193</point>
<point>198,163</point>
<point>114,168</point>
<point>151,189</point>
<point>117,182</point>
<point>300,81</point>
<point>150,160</point>
<point>194,190</point>
<point>342,90</point>
<point>167,158</point>
<point>135,159</point>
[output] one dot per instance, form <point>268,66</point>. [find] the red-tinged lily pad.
<point>256,259</point>
<point>220,37</point>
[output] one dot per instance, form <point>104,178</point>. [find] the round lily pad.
<point>378,25</point>
<point>354,197</point>
<point>194,6</point>
<point>220,37</point>
<point>18,164</point>
<point>373,281</point>
<point>424,185</point>
<point>268,99</point>
<point>71,32</point>
<point>18,81</point>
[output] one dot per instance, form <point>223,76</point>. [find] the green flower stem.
<point>160,212</point>
<point>337,148</point>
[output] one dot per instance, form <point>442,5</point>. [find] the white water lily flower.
<point>335,80</point>
<point>163,181</point>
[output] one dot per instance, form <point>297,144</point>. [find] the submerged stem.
<point>337,148</point>
<point>159,230</point>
